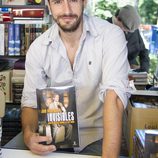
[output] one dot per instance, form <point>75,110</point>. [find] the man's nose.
<point>67,6</point>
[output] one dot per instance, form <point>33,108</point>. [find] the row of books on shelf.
<point>145,144</point>
<point>9,15</point>
<point>15,39</point>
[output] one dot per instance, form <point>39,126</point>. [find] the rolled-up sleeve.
<point>115,67</point>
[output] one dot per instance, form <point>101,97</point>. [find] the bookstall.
<point>141,113</point>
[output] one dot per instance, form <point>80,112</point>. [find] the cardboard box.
<point>5,84</point>
<point>138,118</point>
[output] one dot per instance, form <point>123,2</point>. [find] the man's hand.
<point>32,139</point>
<point>34,143</point>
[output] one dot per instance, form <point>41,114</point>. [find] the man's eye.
<point>57,1</point>
<point>73,0</point>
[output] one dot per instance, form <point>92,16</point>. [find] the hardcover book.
<point>13,2</point>
<point>11,39</point>
<point>5,84</point>
<point>28,13</point>
<point>2,31</point>
<point>58,115</point>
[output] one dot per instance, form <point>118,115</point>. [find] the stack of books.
<point>17,80</point>
<point>139,78</point>
<point>145,144</point>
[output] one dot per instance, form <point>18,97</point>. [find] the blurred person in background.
<point>128,19</point>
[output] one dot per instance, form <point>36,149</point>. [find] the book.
<point>13,2</point>
<point>145,143</point>
<point>2,32</point>
<point>18,73</point>
<point>27,13</point>
<point>11,39</point>
<point>17,39</point>
<point>5,17</point>
<point>145,93</point>
<point>5,84</point>
<point>58,115</point>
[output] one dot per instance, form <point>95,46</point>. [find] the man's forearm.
<point>29,118</point>
<point>113,110</point>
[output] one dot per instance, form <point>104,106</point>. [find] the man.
<point>91,54</point>
<point>127,18</point>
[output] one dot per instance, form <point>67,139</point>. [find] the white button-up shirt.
<point>100,64</point>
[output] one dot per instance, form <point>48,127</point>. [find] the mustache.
<point>68,15</point>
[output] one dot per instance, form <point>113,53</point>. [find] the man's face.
<point>56,98</point>
<point>67,13</point>
<point>48,101</point>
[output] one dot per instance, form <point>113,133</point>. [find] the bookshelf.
<point>21,22</point>
<point>28,20</point>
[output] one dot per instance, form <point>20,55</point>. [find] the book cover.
<point>58,115</point>
<point>5,84</point>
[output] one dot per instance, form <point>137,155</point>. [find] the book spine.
<point>18,73</point>
<point>2,32</point>
<point>11,40</point>
<point>28,12</point>
<point>27,37</point>
<point>17,88</point>
<point>17,40</point>
<point>5,10</point>
<point>5,17</point>
<point>22,37</point>
<point>6,39</point>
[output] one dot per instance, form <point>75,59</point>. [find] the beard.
<point>67,26</point>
